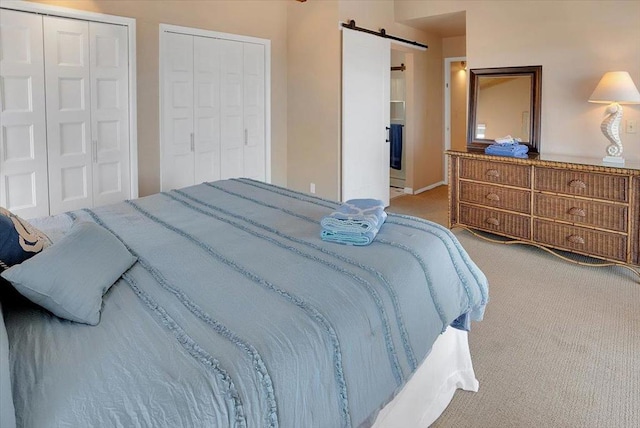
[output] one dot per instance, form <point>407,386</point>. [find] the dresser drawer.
<point>495,196</point>
<point>515,225</point>
<point>496,172</point>
<point>588,184</point>
<point>589,213</point>
<point>573,238</point>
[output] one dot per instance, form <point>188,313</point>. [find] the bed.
<point>236,313</point>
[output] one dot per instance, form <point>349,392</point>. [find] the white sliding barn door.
<point>109,71</point>
<point>66,43</point>
<point>177,120</point>
<point>23,136</point>
<point>366,68</point>
<point>206,109</point>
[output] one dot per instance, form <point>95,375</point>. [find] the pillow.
<point>18,240</point>
<point>70,277</point>
<point>8,415</point>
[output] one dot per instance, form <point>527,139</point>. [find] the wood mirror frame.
<point>535,73</point>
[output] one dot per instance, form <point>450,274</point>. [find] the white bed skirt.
<point>430,390</point>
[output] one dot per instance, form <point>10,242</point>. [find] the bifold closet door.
<point>86,71</point>
<point>254,112</point>
<point>23,145</point>
<point>109,72</point>
<point>178,133</point>
<point>206,64</point>
<point>243,110</point>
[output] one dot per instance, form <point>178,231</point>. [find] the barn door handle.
<point>388,134</point>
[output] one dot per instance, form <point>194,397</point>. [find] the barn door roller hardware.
<point>382,33</point>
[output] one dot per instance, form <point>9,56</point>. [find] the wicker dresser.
<point>556,202</point>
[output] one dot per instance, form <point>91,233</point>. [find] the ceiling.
<point>447,25</point>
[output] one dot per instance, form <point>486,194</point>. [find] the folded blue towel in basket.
<point>514,150</point>
<point>355,222</point>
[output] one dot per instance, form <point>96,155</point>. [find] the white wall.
<point>576,42</point>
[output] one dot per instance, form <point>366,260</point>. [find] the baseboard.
<point>432,186</point>
<point>408,190</point>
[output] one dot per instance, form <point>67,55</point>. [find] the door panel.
<point>178,113</point>
<point>365,116</point>
<point>23,146</point>
<point>231,104</point>
<point>109,112</point>
<point>68,105</point>
<point>207,109</point>
<point>254,112</point>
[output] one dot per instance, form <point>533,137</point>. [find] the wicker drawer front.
<point>593,185</point>
<point>496,172</point>
<point>608,245</point>
<point>589,213</point>
<point>496,221</point>
<point>496,197</point>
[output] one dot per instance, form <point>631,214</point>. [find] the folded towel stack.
<point>355,222</point>
<point>512,149</point>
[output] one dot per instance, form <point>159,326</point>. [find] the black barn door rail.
<point>352,26</point>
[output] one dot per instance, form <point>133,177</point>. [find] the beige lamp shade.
<point>616,87</point>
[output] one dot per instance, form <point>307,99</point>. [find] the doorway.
<point>456,84</point>
<point>397,133</point>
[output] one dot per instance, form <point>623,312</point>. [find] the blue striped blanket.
<point>355,222</point>
<point>237,314</point>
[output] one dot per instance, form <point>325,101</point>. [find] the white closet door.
<point>207,109</point>
<point>23,146</point>
<point>109,70</point>
<point>366,69</point>
<point>68,104</point>
<point>178,132</point>
<point>254,112</point>
<point>233,133</point>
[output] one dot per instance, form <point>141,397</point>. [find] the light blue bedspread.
<point>238,314</point>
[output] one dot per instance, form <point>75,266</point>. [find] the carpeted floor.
<point>559,345</point>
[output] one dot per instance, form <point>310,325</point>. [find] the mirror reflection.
<point>503,102</point>
<point>503,109</point>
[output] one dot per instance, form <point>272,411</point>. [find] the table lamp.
<point>615,88</point>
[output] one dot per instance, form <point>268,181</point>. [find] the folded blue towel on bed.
<point>355,222</point>
<point>514,150</point>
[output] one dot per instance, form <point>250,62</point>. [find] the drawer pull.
<point>575,239</point>
<point>577,185</point>
<point>493,197</point>
<point>493,173</point>
<point>493,221</point>
<point>577,212</point>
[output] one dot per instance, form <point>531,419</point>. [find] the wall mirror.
<point>504,101</point>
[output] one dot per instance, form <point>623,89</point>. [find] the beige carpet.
<point>559,345</point>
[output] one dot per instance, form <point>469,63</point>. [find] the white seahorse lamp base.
<point>610,127</point>
<point>615,87</point>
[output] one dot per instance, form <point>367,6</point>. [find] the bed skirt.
<point>430,390</point>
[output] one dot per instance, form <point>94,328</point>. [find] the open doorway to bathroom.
<point>397,132</point>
